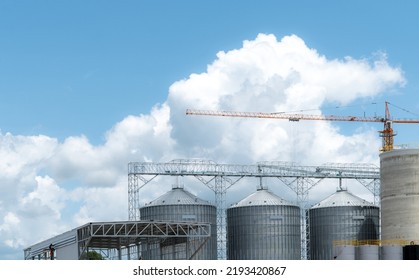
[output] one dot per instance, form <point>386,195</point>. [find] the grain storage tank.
<point>344,252</point>
<point>391,252</point>
<point>368,252</point>
<point>179,205</point>
<point>263,226</point>
<point>341,219</point>
<point>399,171</point>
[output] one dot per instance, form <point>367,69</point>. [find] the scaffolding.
<point>220,177</point>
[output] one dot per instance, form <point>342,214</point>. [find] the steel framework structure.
<point>387,133</point>
<point>117,239</point>
<point>220,177</point>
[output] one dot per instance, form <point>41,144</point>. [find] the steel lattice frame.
<point>220,177</point>
<point>112,238</point>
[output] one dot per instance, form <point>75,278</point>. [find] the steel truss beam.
<point>220,177</point>
<point>301,186</point>
<point>219,185</point>
<point>117,235</point>
<point>112,238</point>
<point>373,186</point>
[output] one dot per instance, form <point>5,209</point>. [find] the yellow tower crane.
<point>387,133</point>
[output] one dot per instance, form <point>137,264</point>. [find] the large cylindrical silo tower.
<point>341,218</point>
<point>399,171</point>
<point>179,205</point>
<point>263,227</point>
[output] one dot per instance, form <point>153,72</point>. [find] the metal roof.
<point>342,198</point>
<point>261,197</point>
<point>108,235</point>
<point>177,196</point>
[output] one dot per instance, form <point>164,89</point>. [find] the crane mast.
<point>387,133</point>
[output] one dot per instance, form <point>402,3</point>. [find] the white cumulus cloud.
<point>47,186</point>
<point>268,75</point>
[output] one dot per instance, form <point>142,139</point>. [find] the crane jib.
<point>387,133</point>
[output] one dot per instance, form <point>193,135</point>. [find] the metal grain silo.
<point>344,252</point>
<point>391,252</point>
<point>263,227</point>
<point>368,252</point>
<point>179,205</point>
<point>399,171</point>
<point>341,219</point>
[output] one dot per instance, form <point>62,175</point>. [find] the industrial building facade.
<point>115,240</point>
<point>262,225</point>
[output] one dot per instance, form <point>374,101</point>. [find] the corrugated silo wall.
<point>399,170</point>
<point>343,223</point>
<point>179,213</point>
<point>267,232</point>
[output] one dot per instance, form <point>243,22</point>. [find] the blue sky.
<point>77,67</point>
<point>87,86</point>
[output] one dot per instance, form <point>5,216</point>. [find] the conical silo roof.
<point>342,198</point>
<point>178,196</point>
<point>261,197</point>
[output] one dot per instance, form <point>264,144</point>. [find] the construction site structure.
<point>221,177</point>
<point>116,240</point>
<point>387,134</point>
<point>400,195</point>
